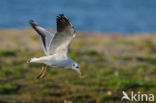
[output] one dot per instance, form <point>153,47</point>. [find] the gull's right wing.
<point>63,37</point>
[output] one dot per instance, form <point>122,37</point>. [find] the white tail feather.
<point>33,60</point>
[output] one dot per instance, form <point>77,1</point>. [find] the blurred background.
<point>126,16</point>
<point>115,46</point>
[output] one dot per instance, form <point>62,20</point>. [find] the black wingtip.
<point>62,22</point>
<point>62,19</point>
<point>61,15</point>
<point>32,23</point>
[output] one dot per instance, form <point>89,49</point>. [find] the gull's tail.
<point>44,60</point>
<point>32,60</point>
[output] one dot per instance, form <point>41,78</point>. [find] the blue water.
<point>127,16</point>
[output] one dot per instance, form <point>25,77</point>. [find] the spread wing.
<point>63,37</point>
<point>45,35</point>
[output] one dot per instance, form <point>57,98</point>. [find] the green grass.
<point>151,60</point>
<point>9,88</point>
<point>105,76</point>
<point>7,53</point>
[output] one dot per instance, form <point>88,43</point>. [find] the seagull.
<point>56,46</point>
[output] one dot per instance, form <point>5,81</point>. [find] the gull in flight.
<point>56,46</point>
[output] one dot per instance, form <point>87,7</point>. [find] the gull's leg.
<point>42,73</point>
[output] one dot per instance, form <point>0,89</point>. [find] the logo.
<point>137,97</point>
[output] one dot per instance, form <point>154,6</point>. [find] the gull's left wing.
<point>45,35</point>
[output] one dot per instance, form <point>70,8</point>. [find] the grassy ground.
<point>110,64</point>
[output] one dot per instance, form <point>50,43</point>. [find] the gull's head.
<point>76,67</point>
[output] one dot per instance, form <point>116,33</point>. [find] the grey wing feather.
<point>45,35</point>
<point>63,37</point>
